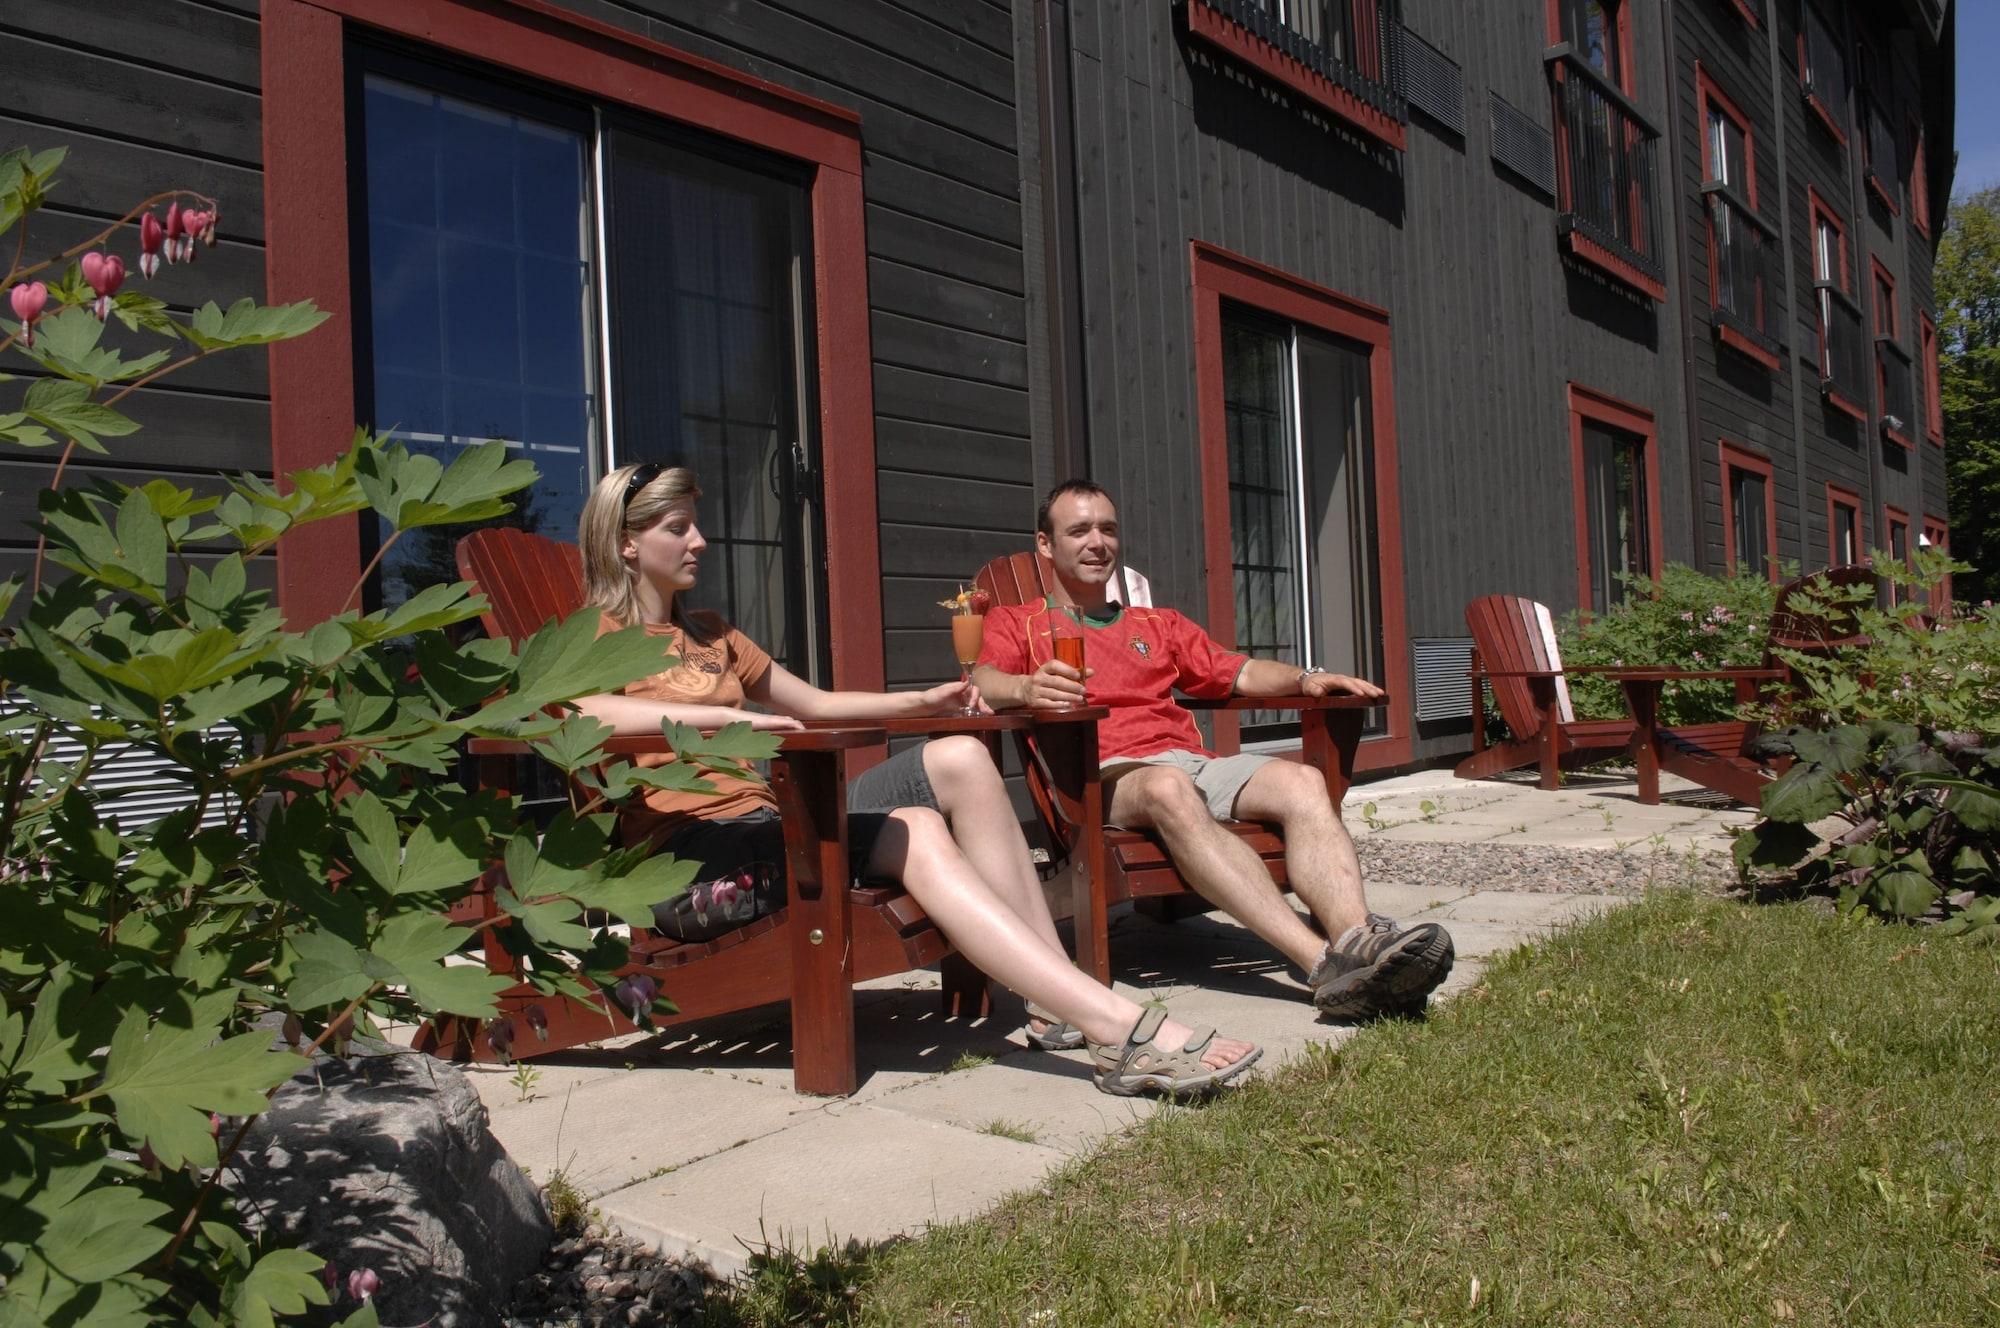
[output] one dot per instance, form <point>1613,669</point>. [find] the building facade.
<point>1362,308</point>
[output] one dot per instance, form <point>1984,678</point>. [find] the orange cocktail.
<point>968,630</point>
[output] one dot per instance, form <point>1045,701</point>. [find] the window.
<point>1892,363</point>
<point>1740,250</point>
<point>1297,426</point>
<point>1842,351</point>
<point>1845,539</point>
<point>1749,511</point>
<point>1822,70</point>
<point>1897,522</point>
<point>1937,538</point>
<point>1885,300</point>
<point>1617,496</point>
<point>492,314</point>
<point>1750,11</point>
<point>1606,150</point>
<point>1927,339</point>
<point>1881,153</point>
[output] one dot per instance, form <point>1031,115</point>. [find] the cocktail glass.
<point>968,633</point>
<point>1066,638</point>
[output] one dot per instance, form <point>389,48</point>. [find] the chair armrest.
<point>1646,674</point>
<point>646,744</point>
<point>1342,702</point>
<point>1519,673</point>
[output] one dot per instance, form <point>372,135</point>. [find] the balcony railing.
<point>1607,190</point>
<point>1345,54</point>
<point>1843,365</point>
<point>1747,276</point>
<point>1884,169</point>
<point>1825,73</point>
<point>1895,390</point>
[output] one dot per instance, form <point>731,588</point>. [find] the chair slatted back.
<point>1820,629</point>
<point>528,580</point>
<point>1023,578</point>
<point>1514,634</point>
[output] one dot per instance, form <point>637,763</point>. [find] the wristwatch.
<point>1299,682</point>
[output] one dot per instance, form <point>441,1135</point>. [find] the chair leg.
<point>967,992</point>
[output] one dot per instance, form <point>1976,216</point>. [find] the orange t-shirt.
<point>717,674</point>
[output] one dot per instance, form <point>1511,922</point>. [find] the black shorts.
<point>743,870</point>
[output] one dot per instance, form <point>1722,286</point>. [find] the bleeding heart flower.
<point>331,1276</point>
<point>152,236</point>
<point>500,1037</point>
<point>363,1283</point>
<point>538,1019</point>
<point>636,994</point>
<point>105,273</point>
<point>28,300</point>
<point>193,223</point>
<point>173,232</point>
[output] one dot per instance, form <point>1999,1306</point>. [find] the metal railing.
<point>1826,78</point>
<point>1884,167</point>
<point>1356,44</point>
<point>1747,275</point>
<point>1606,164</point>
<point>1896,389</point>
<point>1843,366</point>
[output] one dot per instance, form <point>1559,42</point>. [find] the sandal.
<point>1142,1065</point>
<point>1056,1035</point>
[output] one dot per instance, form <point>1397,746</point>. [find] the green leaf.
<point>1802,794</point>
<point>466,989</point>
<point>631,897</point>
<point>102,1232</point>
<point>578,743</point>
<point>15,429</point>
<point>1841,750</point>
<point>66,407</point>
<point>67,344</point>
<point>326,971</point>
<point>282,1282</point>
<point>1902,893</point>
<point>736,742</point>
<point>249,324</point>
<point>364,1317</point>
<point>67,1027</point>
<point>1977,806</point>
<point>163,1082</point>
<point>566,660</point>
<point>1773,844</point>
<point>378,849</point>
<point>142,542</point>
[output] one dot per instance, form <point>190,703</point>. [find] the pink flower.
<point>331,1276</point>
<point>538,1019</point>
<point>28,300</point>
<point>173,232</point>
<point>636,994</point>
<point>105,273</point>
<point>1709,629</point>
<point>152,236</point>
<point>193,223</point>
<point>1697,657</point>
<point>363,1283</point>
<point>1688,616</point>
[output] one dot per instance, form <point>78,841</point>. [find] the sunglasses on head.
<point>640,477</point>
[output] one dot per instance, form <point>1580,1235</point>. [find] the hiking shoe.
<point>1380,968</point>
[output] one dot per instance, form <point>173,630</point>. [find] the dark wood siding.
<point>148,95</point>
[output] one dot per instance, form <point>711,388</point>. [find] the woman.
<point>641,554</point>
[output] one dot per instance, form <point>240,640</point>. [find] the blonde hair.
<point>609,582</point>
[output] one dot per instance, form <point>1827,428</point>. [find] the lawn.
<point>1688,1112</point>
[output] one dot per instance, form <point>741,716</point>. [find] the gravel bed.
<point>1541,870</point>
<point>603,1279</point>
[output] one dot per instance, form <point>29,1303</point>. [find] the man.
<point>1159,778</point>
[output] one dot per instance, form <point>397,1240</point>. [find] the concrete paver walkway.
<point>695,1142</point>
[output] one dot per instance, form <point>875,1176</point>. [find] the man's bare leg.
<point>1320,861</point>
<point>1221,867</point>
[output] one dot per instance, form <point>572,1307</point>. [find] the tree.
<point>1968,295</point>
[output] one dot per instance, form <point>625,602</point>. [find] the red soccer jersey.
<point>1136,661</point>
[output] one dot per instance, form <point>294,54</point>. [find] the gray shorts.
<point>1219,779</point>
<point>899,781</point>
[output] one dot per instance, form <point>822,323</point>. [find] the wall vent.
<point>1443,691</point>
<point>1522,146</point>
<point>1433,83</point>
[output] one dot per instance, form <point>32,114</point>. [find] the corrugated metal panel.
<point>134,785</point>
<point>1522,146</point>
<point>1441,665</point>
<point>1433,82</point>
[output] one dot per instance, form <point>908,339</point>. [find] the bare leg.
<point>1319,856</point>
<point>1221,868</point>
<point>916,848</point>
<point>973,798</point>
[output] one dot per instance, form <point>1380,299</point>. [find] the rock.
<point>386,1163</point>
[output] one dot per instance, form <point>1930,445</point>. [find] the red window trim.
<point>1839,495</point>
<point>1920,177</point>
<point>1740,458</point>
<point>1577,245</point>
<point>1880,276</point>
<point>1747,14</point>
<point>1587,403</point>
<point>1216,275</point>
<point>307,247</point>
<point>1620,19</point>
<point>1223,32</point>
<point>1817,209</point>
<point>1893,517</point>
<point>1927,346</point>
<point>1938,533</point>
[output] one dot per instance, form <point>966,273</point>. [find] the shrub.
<point>306,882</point>
<point>1921,811</point>
<point>1682,620</point>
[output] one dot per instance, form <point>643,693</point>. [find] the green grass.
<point>1689,1112</point>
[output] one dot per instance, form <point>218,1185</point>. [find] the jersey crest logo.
<point>1139,644</point>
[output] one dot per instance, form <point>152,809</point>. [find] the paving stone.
<point>1050,1094</point>
<point>1531,911</point>
<point>1401,898</point>
<point>847,1170</point>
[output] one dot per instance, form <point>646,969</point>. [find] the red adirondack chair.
<point>1514,651</point>
<point>1119,865</point>
<point>832,935</point>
